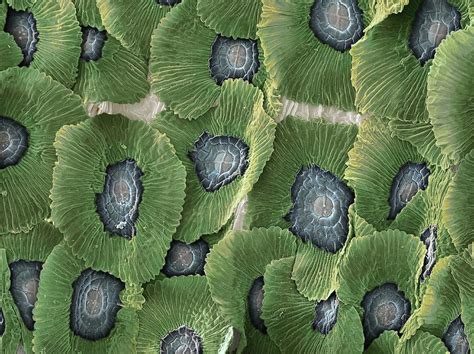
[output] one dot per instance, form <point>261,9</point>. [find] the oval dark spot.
<point>118,204</point>
<point>337,23</point>
<point>218,160</point>
<point>168,2</point>
<point>182,340</point>
<point>2,323</point>
<point>385,308</point>
<point>22,26</point>
<point>255,303</point>
<point>429,239</point>
<point>95,303</point>
<point>186,259</point>
<point>320,211</point>
<point>93,41</point>
<point>25,277</point>
<point>233,59</point>
<point>434,20</point>
<point>13,142</point>
<point>411,178</point>
<point>455,338</point>
<point>326,314</point>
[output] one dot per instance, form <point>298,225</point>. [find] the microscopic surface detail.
<point>168,2</point>
<point>25,276</point>
<point>93,42</point>
<point>218,160</point>
<point>95,303</point>
<point>428,237</point>
<point>182,340</point>
<point>233,59</point>
<point>255,303</point>
<point>411,178</point>
<point>118,204</point>
<point>337,23</point>
<point>434,20</point>
<point>455,338</point>
<point>320,211</point>
<point>13,142</point>
<point>326,314</point>
<point>186,259</point>
<point>2,323</point>
<point>22,26</point>
<point>385,308</point>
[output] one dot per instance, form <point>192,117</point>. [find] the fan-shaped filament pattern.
<point>255,303</point>
<point>320,211</point>
<point>25,277</point>
<point>337,23</point>
<point>95,303</point>
<point>181,340</point>
<point>326,314</point>
<point>168,2</point>
<point>2,323</point>
<point>434,20</point>
<point>118,204</point>
<point>186,259</point>
<point>233,59</point>
<point>218,160</point>
<point>93,42</point>
<point>411,178</point>
<point>22,26</point>
<point>13,142</point>
<point>429,239</point>
<point>455,338</point>
<point>385,308</point>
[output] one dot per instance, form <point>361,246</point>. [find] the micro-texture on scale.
<point>219,160</point>
<point>168,2</point>
<point>337,23</point>
<point>428,237</point>
<point>434,20</point>
<point>326,314</point>
<point>13,142</point>
<point>320,208</point>
<point>2,323</point>
<point>93,41</point>
<point>411,178</point>
<point>95,303</point>
<point>385,308</point>
<point>118,204</point>
<point>255,302</point>
<point>186,259</point>
<point>25,276</point>
<point>22,26</point>
<point>233,59</point>
<point>181,340</point>
<point>455,338</point>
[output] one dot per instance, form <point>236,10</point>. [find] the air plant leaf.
<point>118,195</point>
<point>299,325</point>
<point>457,205</point>
<point>385,173</point>
<point>224,152</point>
<point>33,109</point>
<point>102,57</point>
<point>80,309</point>
<point>303,189</point>
<point>307,44</point>
<point>235,270</point>
<point>189,66</point>
<point>379,277</point>
<point>179,314</point>
<point>25,256</point>
<point>52,49</point>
